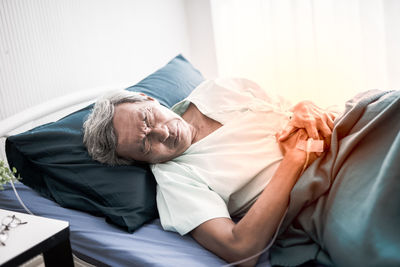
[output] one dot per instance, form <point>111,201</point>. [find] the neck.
<point>191,116</point>
<point>200,124</point>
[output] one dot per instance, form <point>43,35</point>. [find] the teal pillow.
<point>53,160</point>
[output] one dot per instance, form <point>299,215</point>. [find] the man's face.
<point>149,132</point>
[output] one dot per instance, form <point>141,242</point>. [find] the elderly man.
<point>228,150</point>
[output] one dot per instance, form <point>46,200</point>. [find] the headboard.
<point>49,111</point>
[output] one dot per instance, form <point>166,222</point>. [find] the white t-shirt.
<point>222,174</point>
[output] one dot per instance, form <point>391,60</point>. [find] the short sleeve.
<point>183,200</point>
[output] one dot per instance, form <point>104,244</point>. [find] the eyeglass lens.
<point>6,224</point>
<point>12,221</point>
<point>3,237</point>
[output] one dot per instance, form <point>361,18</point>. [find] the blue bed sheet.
<point>100,243</point>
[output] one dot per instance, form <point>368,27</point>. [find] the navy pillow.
<point>53,160</point>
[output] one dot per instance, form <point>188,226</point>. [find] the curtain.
<point>321,50</point>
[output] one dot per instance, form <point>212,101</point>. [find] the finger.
<point>325,133</point>
<point>327,143</point>
<point>329,121</point>
<point>333,115</point>
<point>312,130</point>
<point>302,134</point>
<point>315,135</point>
<point>325,130</point>
<point>286,133</point>
<point>277,135</point>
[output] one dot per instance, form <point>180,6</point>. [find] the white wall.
<point>50,48</point>
<point>54,48</point>
<point>325,51</point>
<point>201,35</point>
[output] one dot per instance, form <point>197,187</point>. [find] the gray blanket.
<point>345,209</point>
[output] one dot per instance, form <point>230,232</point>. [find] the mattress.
<point>103,244</point>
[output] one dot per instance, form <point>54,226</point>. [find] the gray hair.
<point>99,135</point>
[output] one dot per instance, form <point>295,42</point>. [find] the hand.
<point>289,147</point>
<point>313,119</point>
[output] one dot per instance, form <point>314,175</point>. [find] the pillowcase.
<point>52,159</point>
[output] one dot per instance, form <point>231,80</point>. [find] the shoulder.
<point>228,88</point>
<point>224,83</point>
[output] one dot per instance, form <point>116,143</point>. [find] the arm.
<point>253,232</point>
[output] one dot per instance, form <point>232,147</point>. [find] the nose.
<point>160,132</point>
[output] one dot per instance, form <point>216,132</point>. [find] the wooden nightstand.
<point>38,235</point>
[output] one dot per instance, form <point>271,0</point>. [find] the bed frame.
<point>50,111</point>
<point>57,106</point>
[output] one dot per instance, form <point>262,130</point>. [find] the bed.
<point>112,213</point>
<point>344,211</point>
<point>103,244</point>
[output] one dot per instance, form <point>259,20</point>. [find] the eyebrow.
<point>143,112</point>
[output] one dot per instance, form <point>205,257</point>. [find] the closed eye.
<point>145,120</point>
<point>144,140</point>
<point>146,143</point>
<point>148,117</point>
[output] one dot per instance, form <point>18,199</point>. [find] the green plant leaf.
<point>6,175</point>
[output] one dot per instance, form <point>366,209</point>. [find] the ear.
<point>148,97</point>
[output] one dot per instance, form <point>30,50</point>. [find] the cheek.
<point>161,151</point>
<point>161,156</point>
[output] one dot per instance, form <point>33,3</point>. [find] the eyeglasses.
<point>8,222</point>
